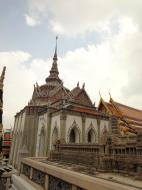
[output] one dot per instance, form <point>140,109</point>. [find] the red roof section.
<point>86,110</point>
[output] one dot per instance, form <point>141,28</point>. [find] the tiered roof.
<point>130,116</point>
<point>54,89</point>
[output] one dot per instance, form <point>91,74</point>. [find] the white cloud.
<point>56,27</point>
<point>78,17</point>
<point>113,64</point>
<point>31,21</point>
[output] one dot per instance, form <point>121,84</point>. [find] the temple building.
<point>65,133</point>
<point>56,113</point>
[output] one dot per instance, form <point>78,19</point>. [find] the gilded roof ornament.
<point>100,93</point>
<point>83,86</point>
<point>78,84</point>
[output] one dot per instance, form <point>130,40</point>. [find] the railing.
<point>78,147</point>
<point>5,182</point>
<point>45,180</point>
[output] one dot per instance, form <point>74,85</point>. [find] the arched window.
<point>91,138</point>
<point>74,136</point>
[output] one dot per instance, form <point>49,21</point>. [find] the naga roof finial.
<point>100,93</point>
<point>110,95</point>
<point>83,86</point>
<point>2,74</point>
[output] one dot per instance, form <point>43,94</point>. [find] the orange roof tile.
<point>112,109</point>
<point>129,112</point>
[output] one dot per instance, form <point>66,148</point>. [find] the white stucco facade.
<point>55,130</point>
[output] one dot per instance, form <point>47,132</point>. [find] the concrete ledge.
<point>75,178</point>
<point>21,184</point>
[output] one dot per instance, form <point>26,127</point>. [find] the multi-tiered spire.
<point>53,77</point>
<point>1,104</point>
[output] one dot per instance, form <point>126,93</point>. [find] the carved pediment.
<point>83,98</point>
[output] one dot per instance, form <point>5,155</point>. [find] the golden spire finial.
<point>109,94</point>
<point>100,93</point>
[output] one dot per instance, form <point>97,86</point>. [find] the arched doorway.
<point>54,137</point>
<point>91,137</point>
<point>74,136</point>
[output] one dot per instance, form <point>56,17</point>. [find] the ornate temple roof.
<point>45,93</point>
<point>53,90</point>
<point>80,95</point>
<point>130,116</point>
<point>130,112</point>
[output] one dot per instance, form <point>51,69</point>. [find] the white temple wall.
<point>12,149</point>
<point>41,135</point>
<point>104,127</point>
<point>19,135</point>
<point>55,123</point>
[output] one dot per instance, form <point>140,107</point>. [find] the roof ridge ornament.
<point>100,93</point>
<point>78,84</point>
<point>83,86</point>
<point>2,74</point>
<point>110,95</point>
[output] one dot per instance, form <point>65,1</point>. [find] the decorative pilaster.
<point>48,131</point>
<point>98,125</point>
<point>63,118</point>
<point>83,128</point>
<point>114,126</point>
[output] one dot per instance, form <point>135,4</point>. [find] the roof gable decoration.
<point>65,93</point>
<point>74,92</point>
<point>126,126</point>
<point>102,104</point>
<point>83,97</point>
<point>112,102</point>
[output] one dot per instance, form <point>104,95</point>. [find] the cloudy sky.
<point>100,43</point>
